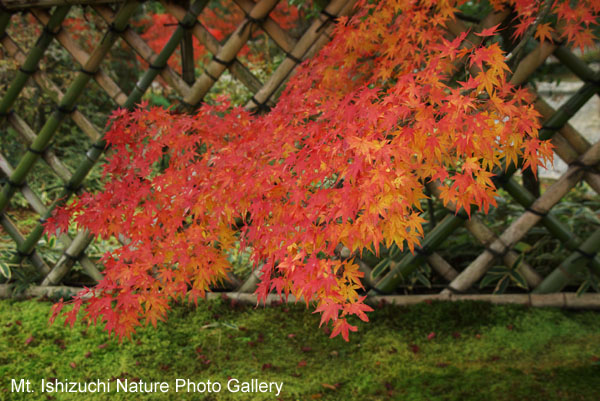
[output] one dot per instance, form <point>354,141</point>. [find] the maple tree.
<point>342,159</point>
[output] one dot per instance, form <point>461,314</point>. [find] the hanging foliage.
<point>390,104</point>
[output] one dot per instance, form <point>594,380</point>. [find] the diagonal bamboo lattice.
<point>384,277</point>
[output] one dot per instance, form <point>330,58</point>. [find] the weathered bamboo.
<point>322,40</point>
<point>251,283</point>
<point>298,53</point>
<point>186,48</point>
<point>554,226</point>
<point>52,124</point>
<point>237,69</point>
<point>27,192</point>
<point>228,52</point>
<point>557,300</point>
<point>441,266</point>
<point>486,236</point>
<point>519,228</point>
<point>30,64</point>
<point>279,36</point>
<point>575,142</point>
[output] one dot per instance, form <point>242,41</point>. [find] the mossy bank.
<point>439,351</point>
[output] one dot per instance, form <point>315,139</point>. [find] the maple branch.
<point>518,52</point>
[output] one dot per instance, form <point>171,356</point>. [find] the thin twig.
<point>518,52</point>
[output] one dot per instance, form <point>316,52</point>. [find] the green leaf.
<point>498,270</point>
<point>517,263</point>
<point>488,279</point>
<point>52,242</point>
<point>518,278</point>
<point>5,270</point>
<point>583,288</point>
<point>502,285</point>
<point>423,280</point>
<point>522,247</point>
<point>381,268</point>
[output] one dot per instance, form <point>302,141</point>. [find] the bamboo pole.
<point>16,235</point>
<point>38,206</point>
<point>52,124</point>
<point>30,64</point>
<point>441,266</point>
<point>228,52</point>
<point>314,48</point>
<point>27,192</point>
<point>48,155</point>
<point>572,267</point>
<point>298,53</point>
<point>236,68</point>
<point>486,236</point>
<point>392,272</point>
<point>279,36</point>
<point>81,56</point>
<point>64,108</point>
<point>4,22</point>
<point>38,146</point>
<point>554,226</point>
<point>70,255</point>
<point>186,48</point>
<point>94,153</point>
<point>556,300</point>
<point>141,47</point>
<point>587,248</point>
<point>61,170</point>
<point>524,223</point>
<point>554,124</point>
<point>51,89</point>
<point>575,64</point>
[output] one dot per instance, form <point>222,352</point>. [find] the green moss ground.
<point>479,352</point>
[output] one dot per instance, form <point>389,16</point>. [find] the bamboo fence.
<point>386,277</point>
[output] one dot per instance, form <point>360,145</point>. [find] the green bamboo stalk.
<point>31,63</point>
<point>409,263</point>
<point>66,105</point>
<point>93,154</point>
<point>4,21</point>
<point>237,69</point>
<point>13,231</point>
<point>398,270</point>
<point>570,267</point>
<point>574,63</point>
<point>39,207</point>
<point>554,226</point>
